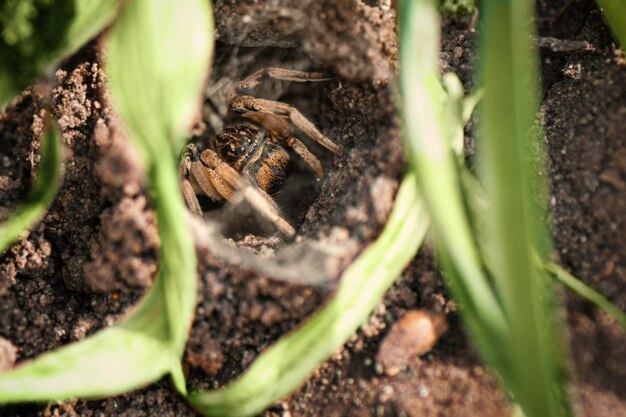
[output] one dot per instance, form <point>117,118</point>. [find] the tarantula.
<point>249,154</point>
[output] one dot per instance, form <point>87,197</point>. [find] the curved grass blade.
<point>286,365</point>
<point>615,13</point>
<point>157,61</point>
<point>149,343</point>
<point>500,331</point>
<point>37,34</point>
<point>90,18</point>
<point>44,189</point>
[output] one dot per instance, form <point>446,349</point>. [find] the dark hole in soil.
<point>300,187</point>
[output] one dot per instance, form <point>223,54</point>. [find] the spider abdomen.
<point>270,170</point>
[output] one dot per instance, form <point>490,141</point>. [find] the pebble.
<point>415,334</point>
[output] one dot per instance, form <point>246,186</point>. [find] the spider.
<point>248,155</point>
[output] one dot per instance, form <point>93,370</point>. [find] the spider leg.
<point>226,180</point>
<point>244,104</point>
<point>196,178</point>
<point>211,183</point>
<point>308,157</point>
<point>187,188</point>
<point>257,77</point>
<point>190,198</point>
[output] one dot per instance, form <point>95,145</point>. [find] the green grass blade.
<point>37,34</point>
<point>286,365</point>
<point>151,341</point>
<point>127,356</point>
<point>511,156</point>
<point>430,133</point>
<point>157,61</point>
<point>479,207</point>
<point>43,191</point>
<point>90,18</point>
<point>458,7</point>
<point>615,14</point>
<point>112,362</point>
<point>585,291</point>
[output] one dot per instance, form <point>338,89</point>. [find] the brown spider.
<point>248,155</point>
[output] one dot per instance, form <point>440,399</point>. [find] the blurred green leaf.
<point>458,7</point>
<point>509,314</point>
<point>157,61</point>
<point>167,47</point>
<point>37,34</point>
<point>41,195</point>
<point>615,14</point>
<point>432,125</point>
<point>158,57</point>
<point>285,366</point>
<point>479,207</point>
<point>511,155</point>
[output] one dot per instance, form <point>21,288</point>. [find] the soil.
<point>96,250</point>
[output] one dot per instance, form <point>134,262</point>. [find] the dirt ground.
<point>95,252</point>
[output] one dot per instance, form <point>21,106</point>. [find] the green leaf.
<point>432,125</point>
<point>37,34</point>
<point>43,191</point>
<point>458,7</point>
<point>615,14</point>
<point>511,155</point>
<point>286,365</point>
<point>509,314</point>
<point>157,61</point>
<point>150,342</point>
<point>158,58</point>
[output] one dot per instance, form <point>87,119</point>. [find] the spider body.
<point>253,152</point>
<point>249,154</point>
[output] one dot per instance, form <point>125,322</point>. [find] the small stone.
<point>415,334</point>
<point>386,394</point>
